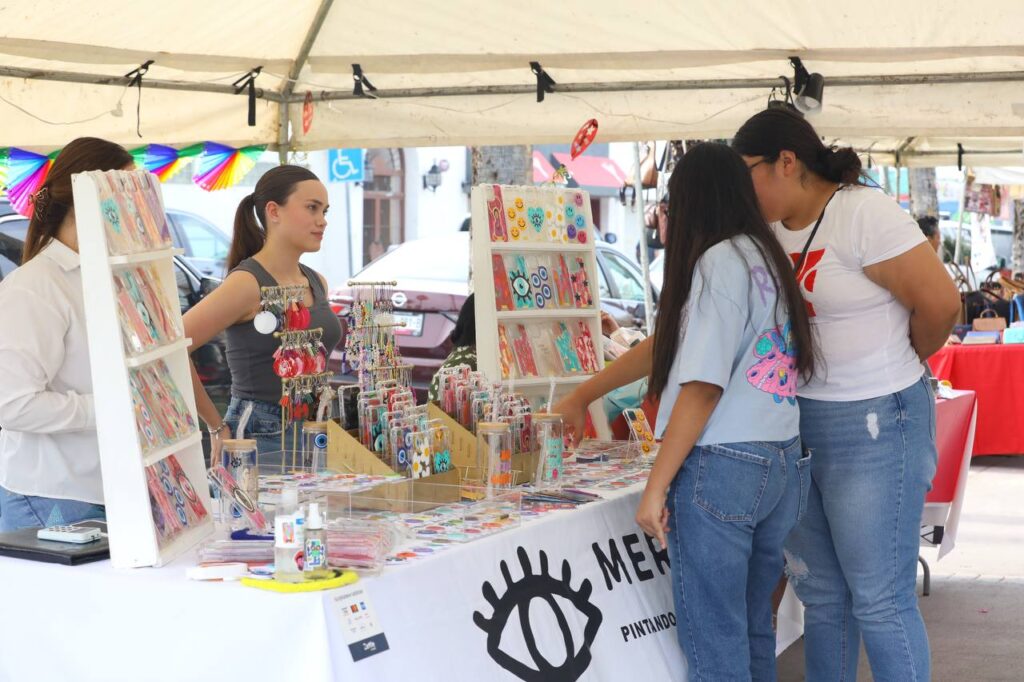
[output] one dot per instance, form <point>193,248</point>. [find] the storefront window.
<point>383,203</point>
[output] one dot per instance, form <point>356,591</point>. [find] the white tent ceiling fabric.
<point>433,48</point>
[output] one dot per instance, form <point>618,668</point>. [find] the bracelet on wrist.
<point>215,431</point>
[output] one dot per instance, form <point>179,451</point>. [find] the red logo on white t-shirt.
<point>808,273</point>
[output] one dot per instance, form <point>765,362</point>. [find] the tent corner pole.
<point>645,265</point>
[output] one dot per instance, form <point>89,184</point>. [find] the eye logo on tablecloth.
<point>518,595</point>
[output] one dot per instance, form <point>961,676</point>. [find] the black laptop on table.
<point>23,544</point>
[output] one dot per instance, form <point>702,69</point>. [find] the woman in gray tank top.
<point>284,217</point>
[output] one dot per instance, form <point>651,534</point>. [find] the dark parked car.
<point>210,359</point>
<point>206,247</point>
<point>433,281</point>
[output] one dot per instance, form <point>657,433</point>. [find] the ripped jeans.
<point>853,558</point>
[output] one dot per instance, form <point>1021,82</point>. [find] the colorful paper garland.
<point>25,172</point>
<point>22,172</point>
<point>221,166</point>
<point>165,161</point>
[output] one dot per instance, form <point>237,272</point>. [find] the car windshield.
<point>442,259</point>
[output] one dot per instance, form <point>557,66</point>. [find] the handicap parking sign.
<point>345,165</point>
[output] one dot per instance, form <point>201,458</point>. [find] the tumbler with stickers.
<point>494,456</point>
<point>314,446</point>
<point>239,457</point>
<point>548,435</point>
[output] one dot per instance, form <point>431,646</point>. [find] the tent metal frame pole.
<point>524,89</point>
<point>707,84</point>
<point>288,87</point>
<point>645,266</point>
<point>121,81</point>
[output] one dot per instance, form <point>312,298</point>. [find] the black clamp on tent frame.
<point>360,81</point>
<point>959,156</point>
<point>787,96</point>
<point>248,82</point>
<point>135,79</point>
<point>545,83</point>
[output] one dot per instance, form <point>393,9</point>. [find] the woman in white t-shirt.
<point>880,303</point>
<point>49,455</point>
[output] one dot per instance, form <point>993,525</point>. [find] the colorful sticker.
<point>775,372</point>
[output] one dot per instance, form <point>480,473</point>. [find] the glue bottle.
<point>316,542</point>
<point>289,538</point>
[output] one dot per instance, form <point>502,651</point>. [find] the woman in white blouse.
<point>49,456</point>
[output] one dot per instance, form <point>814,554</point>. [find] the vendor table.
<point>585,581</point>
<point>996,374</point>
<point>955,421</point>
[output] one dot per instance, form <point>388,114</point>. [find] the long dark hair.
<point>55,198</point>
<point>712,200</point>
<point>772,131</point>
<point>276,185</point>
<point>464,333</point>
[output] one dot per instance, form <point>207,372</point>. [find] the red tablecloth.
<point>996,374</point>
<point>955,421</point>
<point>952,424</point>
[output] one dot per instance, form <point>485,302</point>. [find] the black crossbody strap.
<point>807,246</point>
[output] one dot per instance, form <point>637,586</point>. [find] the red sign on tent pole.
<point>307,113</point>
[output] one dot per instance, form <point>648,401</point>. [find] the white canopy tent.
<point>458,72</point>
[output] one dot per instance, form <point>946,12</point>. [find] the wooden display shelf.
<point>554,247</point>
<point>158,353</point>
<point>488,318</point>
<point>130,259</point>
<point>544,314</point>
<point>152,458</point>
<point>132,530</point>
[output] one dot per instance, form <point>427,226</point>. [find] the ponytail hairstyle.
<point>53,201</point>
<point>250,233</point>
<point>772,131</point>
<point>711,200</point>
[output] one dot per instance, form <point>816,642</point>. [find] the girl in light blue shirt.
<point>730,479</point>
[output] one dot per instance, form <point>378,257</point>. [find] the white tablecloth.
<point>94,623</point>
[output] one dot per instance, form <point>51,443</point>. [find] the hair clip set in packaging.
<point>161,415</point>
<point>532,281</point>
<point>143,310</point>
<point>580,284</point>
<point>537,214</point>
<point>132,212</point>
<point>173,499</point>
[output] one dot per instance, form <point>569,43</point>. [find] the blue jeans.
<point>28,511</point>
<point>264,426</point>
<point>853,558</point>
<point>731,508</point>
